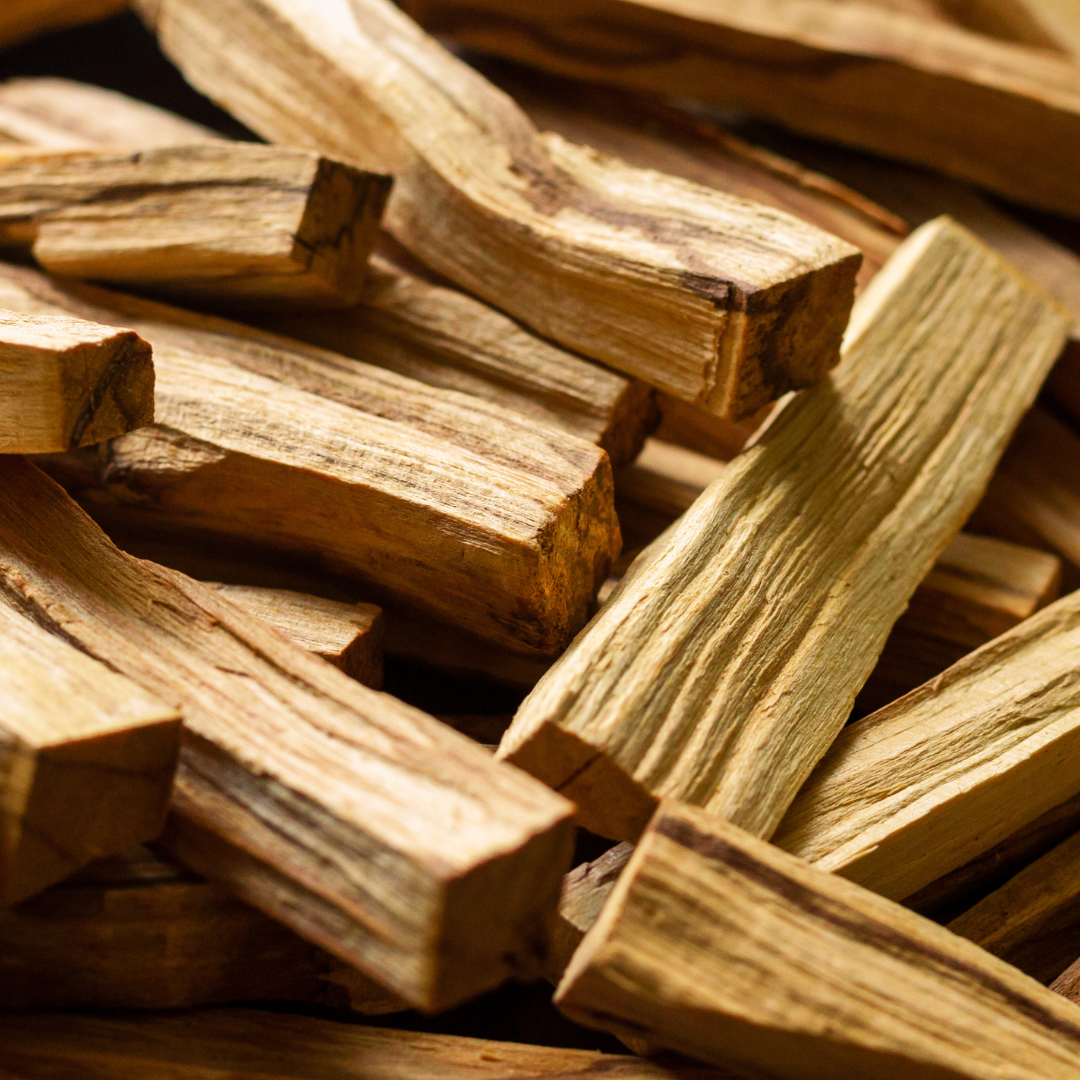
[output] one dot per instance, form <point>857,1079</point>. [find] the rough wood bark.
<point>814,65</point>
<point>68,383</point>
<point>349,636</point>
<point>22,19</point>
<point>704,295</point>
<point>693,682</point>
<point>229,224</point>
<point>718,945</point>
<point>371,829</point>
<point>945,773</point>
<point>87,759</point>
<point>463,509</point>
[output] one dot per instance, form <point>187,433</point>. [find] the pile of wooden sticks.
<point>588,491</point>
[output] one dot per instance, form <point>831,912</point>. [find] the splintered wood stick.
<point>66,383</point>
<point>1033,921</point>
<point>138,932</point>
<point>456,506</point>
<point>224,223</point>
<point>372,830</point>
<point>349,636</point>
<point>813,65</point>
<point>933,780</point>
<point>86,758</point>
<point>246,1043</point>
<point>693,681</point>
<point>719,301</point>
<point>1045,24</point>
<point>22,19</point>
<point>716,944</point>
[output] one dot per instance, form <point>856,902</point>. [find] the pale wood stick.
<point>693,682</point>
<point>716,944</point>
<point>933,85</point>
<point>1033,921</point>
<point>933,780</point>
<point>223,223</point>
<point>87,759</point>
<point>718,301</point>
<point>22,19</point>
<point>68,383</point>
<point>243,1042</point>
<point>1045,24</point>
<point>499,525</point>
<point>369,828</point>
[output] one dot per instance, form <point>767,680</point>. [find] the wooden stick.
<point>225,223</point>
<point>372,830</point>
<point>349,636</point>
<point>67,383</point>
<point>813,65</point>
<point>714,300</point>
<point>693,682</point>
<point>715,944</point>
<point>945,773</point>
<point>1045,24</point>
<point>1032,922</point>
<point>458,507</point>
<point>86,759</point>
<point>22,19</point>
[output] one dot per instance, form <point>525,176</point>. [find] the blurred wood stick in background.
<point>21,19</point>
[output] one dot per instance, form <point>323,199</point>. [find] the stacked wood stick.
<point>514,536</point>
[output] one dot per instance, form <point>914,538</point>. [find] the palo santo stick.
<point>86,759</point>
<point>1045,24</point>
<point>66,383</point>
<point>227,223</point>
<point>693,682</point>
<point>1032,922</point>
<point>716,300</point>
<point>22,19</point>
<point>813,65</point>
<point>244,1042</point>
<point>453,505</point>
<point>940,776</point>
<point>718,945</point>
<point>349,636</point>
<point>368,827</point>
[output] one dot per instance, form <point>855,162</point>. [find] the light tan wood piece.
<point>221,223</point>
<point>456,506</point>
<point>1033,921</point>
<point>933,780</point>
<point>1045,24</point>
<point>694,681</point>
<point>365,825</point>
<point>1004,116</point>
<point>349,636</point>
<point>246,1043</point>
<point>22,19</point>
<point>87,758</point>
<point>66,383</point>
<point>718,945</point>
<point>716,300</point>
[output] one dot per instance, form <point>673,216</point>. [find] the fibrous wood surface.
<point>86,759</point>
<point>221,223</point>
<point>21,19</point>
<point>714,299</point>
<point>716,944</point>
<point>1004,116</point>
<point>933,780</point>
<point>694,682</point>
<point>457,506</point>
<point>66,383</point>
<point>365,825</point>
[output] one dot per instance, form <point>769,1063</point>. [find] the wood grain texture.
<point>242,1044</point>
<point>1001,115</point>
<point>693,682</point>
<point>228,224</point>
<point>68,383</point>
<point>349,636</point>
<point>1045,24</point>
<point>22,19</point>
<point>362,823</point>
<point>718,945</point>
<point>940,776</point>
<point>87,759</point>
<point>456,506</point>
<point>716,300</point>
